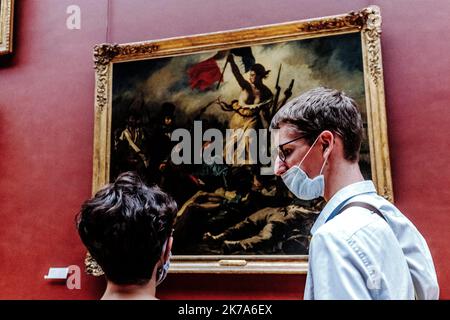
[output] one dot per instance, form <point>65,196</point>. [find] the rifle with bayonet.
<point>287,93</point>
<point>277,94</point>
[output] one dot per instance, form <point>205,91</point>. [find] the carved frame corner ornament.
<point>92,267</point>
<point>6,26</point>
<point>104,55</point>
<point>372,33</point>
<point>366,22</point>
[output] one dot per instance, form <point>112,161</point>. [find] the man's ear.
<point>327,143</point>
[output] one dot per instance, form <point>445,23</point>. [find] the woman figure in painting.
<point>250,110</point>
<point>255,96</point>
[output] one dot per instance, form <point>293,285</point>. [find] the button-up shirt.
<point>359,255</point>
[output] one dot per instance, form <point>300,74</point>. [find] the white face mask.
<point>162,271</point>
<point>301,185</point>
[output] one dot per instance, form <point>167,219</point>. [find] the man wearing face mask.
<point>127,228</point>
<point>362,246</point>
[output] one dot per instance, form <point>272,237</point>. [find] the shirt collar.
<point>341,196</point>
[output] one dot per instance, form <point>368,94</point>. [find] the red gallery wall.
<point>46,128</point>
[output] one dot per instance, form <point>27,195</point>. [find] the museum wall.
<point>46,129</point>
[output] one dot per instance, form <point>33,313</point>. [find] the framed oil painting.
<point>6,25</point>
<point>234,216</point>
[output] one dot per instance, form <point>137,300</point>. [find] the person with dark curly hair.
<point>127,228</point>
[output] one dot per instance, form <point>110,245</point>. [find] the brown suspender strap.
<point>363,205</point>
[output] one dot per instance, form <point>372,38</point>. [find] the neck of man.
<point>130,292</point>
<point>342,174</point>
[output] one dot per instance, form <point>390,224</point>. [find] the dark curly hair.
<point>124,227</point>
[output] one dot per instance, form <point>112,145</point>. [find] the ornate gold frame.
<point>6,26</point>
<point>367,22</point>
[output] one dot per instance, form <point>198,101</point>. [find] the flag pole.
<point>221,76</point>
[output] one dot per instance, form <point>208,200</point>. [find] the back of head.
<point>125,226</point>
<point>323,109</point>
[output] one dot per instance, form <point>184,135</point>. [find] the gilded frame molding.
<point>367,22</point>
<point>6,26</point>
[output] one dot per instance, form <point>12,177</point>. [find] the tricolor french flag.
<point>204,74</point>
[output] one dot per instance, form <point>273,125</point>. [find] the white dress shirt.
<point>359,255</point>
